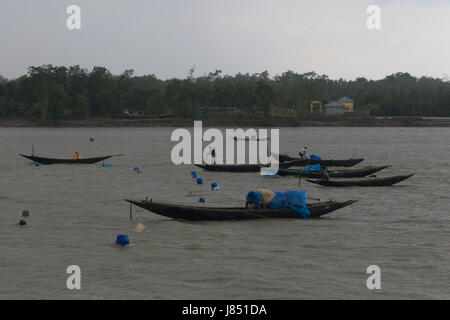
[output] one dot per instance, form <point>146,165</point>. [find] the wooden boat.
<point>288,161</point>
<point>204,213</point>
<point>343,173</point>
<point>370,182</point>
<point>285,157</point>
<point>231,167</point>
<point>325,163</point>
<point>48,161</point>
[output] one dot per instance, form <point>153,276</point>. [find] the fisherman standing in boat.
<point>76,155</point>
<point>325,177</point>
<point>302,153</point>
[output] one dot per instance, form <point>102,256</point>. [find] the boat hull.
<point>48,161</point>
<point>219,214</point>
<point>283,165</point>
<point>375,182</point>
<point>231,167</point>
<point>324,163</point>
<point>344,173</point>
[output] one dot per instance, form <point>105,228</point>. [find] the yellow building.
<point>345,103</point>
<point>316,103</point>
<point>348,103</point>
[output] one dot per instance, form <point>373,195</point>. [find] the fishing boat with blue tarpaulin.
<point>196,213</point>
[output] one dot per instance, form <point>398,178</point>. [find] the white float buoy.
<point>139,228</point>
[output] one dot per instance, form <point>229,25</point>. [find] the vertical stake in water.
<point>131,212</point>
<point>32,150</point>
<point>299,179</point>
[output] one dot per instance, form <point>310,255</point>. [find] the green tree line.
<point>52,92</point>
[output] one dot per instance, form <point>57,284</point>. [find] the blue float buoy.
<point>122,240</point>
<point>199,181</point>
<point>214,186</point>
<point>136,169</point>
<point>202,200</point>
<point>271,175</point>
<point>194,175</point>
<point>91,139</point>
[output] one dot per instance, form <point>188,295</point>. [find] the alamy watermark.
<point>74,280</point>
<point>374,20</point>
<point>374,281</point>
<point>258,143</point>
<point>74,19</point>
<point>73,22</point>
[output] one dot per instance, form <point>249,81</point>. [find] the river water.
<point>77,211</point>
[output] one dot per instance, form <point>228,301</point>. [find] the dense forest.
<point>51,92</point>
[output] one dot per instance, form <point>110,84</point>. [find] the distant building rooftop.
<point>345,99</point>
<point>334,104</point>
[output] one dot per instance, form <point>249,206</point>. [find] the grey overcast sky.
<point>168,37</point>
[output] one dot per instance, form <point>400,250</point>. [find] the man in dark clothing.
<point>325,175</point>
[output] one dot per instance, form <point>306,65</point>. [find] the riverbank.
<point>307,121</point>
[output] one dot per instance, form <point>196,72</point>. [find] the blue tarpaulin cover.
<point>294,200</point>
<point>257,199</point>
<point>315,157</point>
<point>314,167</point>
